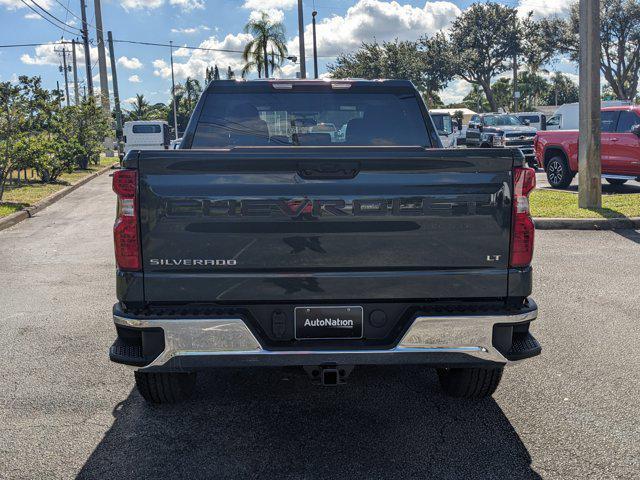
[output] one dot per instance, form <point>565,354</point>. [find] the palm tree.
<point>266,35</point>
<point>140,108</point>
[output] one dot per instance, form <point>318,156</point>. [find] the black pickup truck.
<point>270,240</point>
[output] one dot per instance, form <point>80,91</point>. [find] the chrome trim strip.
<point>468,334</point>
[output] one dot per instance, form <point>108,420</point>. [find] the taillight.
<point>522,228</point>
<point>125,230</point>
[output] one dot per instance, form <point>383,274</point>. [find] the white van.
<point>567,117</point>
<point>537,120</point>
<point>146,135</point>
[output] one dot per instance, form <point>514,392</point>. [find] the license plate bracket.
<point>328,323</point>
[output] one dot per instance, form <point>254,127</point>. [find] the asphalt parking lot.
<point>631,186</point>
<point>67,412</point>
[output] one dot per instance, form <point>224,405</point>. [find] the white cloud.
<point>197,61</point>
<point>544,9</point>
<point>275,15</point>
<point>135,79</point>
<point>130,63</point>
<point>46,54</point>
<point>288,70</point>
<point>455,91</point>
<point>185,5</point>
<point>188,5</point>
<point>186,30</point>
<point>129,100</point>
<point>370,20</point>
<point>32,16</point>
<point>269,4</point>
<point>17,4</point>
<point>141,4</point>
<point>96,80</point>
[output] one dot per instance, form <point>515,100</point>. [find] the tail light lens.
<point>522,228</point>
<point>125,231</point>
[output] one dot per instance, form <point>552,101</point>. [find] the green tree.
<point>476,100</point>
<point>534,89</point>
<point>419,62</point>
<point>13,121</point>
<point>139,108</point>
<point>267,35</point>
<point>620,44</point>
<point>192,90</point>
<point>230,74</point>
<point>485,37</point>
<point>93,126</point>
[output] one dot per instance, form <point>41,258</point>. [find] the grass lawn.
<point>18,196</point>
<point>557,204</point>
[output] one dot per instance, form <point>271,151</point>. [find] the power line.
<point>51,15</point>
<point>73,14</point>
<point>48,20</point>
<point>188,47</point>
<point>18,45</point>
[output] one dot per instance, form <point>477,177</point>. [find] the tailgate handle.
<point>328,170</point>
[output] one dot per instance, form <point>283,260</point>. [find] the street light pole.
<point>303,65</point>
<point>173,93</point>
<point>315,47</point>
<point>589,162</point>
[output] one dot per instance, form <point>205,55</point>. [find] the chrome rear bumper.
<point>436,340</point>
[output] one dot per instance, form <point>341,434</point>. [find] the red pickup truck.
<point>557,150</point>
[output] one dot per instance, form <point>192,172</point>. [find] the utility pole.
<point>589,162</point>
<point>76,91</point>
<point>516,93</point>
<point>66,75</point>
<point>173,93</point>
<point>58,92</point>
<point>85,43</point>
<point>104,79</point>
<point>315,47</point>
<point>303,64</point>
<point>116,96</point>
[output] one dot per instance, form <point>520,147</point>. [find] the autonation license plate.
<point>326,323</point>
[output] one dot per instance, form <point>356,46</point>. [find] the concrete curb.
<point>29,212</point>
<point>587,223</point>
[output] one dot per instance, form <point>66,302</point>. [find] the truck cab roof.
<point>286,84</point>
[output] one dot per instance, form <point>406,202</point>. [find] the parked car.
<point>245,248</point>
<point>567,116</point>
<point>501,130</point>
<point>537,120</point>
<point>445,127</point>
<point>557,151</point>
<point>146,135</point>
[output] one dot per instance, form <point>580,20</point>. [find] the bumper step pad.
<point>524,346</point>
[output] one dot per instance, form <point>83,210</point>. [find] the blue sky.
<point>342,25</point>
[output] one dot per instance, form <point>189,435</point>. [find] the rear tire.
<point>616,181</point>
<point>558,173</point>
<point>472,383</point>
<point>165,387</point>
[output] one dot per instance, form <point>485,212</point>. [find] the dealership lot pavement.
<point>631,186</point>
<point>66,412</point>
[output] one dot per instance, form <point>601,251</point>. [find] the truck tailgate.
<point>332,223</point>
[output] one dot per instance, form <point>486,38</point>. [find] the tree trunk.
<point>486,86</point>
<point>266,60</point>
